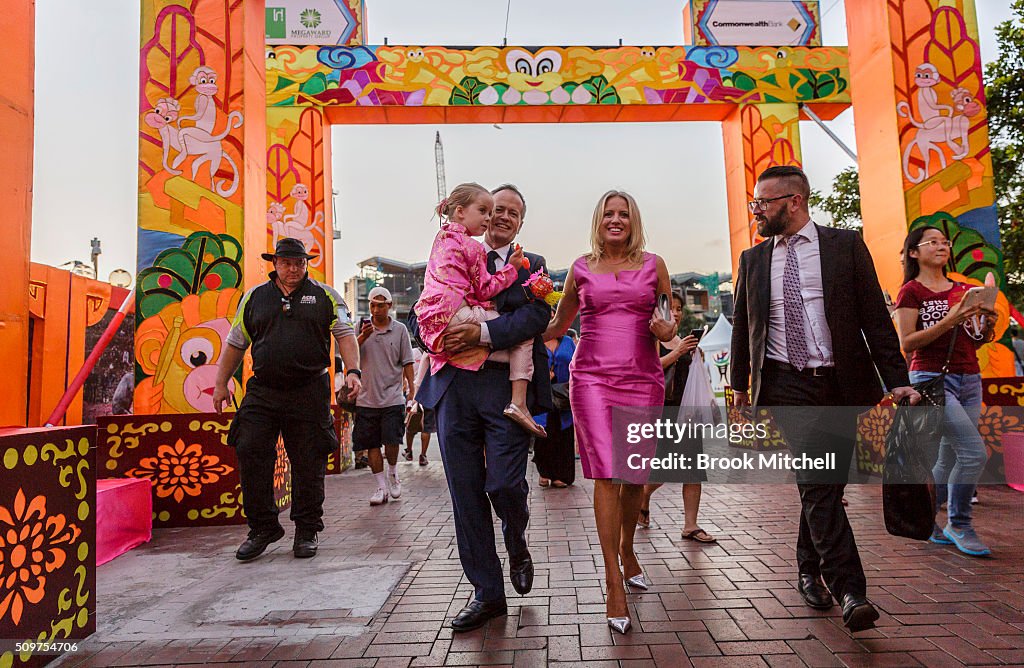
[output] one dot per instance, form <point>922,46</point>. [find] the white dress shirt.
<point>499,262</point>
<point>818,335</point>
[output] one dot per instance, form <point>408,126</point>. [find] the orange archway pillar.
<point>755,137</point>
<point>17,24</point>
<point>922,140</point>
<point>202,188</point>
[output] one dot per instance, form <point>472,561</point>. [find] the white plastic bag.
<point>698,404</point>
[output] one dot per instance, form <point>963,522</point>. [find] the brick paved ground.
<point>732,604</point>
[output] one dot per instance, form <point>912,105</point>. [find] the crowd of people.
<point>497,372</point>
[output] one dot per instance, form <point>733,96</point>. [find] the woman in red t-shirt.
<point>928,309</point>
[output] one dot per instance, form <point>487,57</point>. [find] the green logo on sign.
<point>276,28</point>
<point>309,18</point>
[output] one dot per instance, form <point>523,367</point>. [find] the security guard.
<point>288,321</point>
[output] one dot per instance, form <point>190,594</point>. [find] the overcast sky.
<point>87,120</point>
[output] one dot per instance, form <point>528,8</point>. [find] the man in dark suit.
<point>468,406</point>
<point>810,329</point>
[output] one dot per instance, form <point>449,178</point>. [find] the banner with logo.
<point>753,22</point>
<point>303,22</point>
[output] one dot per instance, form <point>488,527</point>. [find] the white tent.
<point>717,347</point>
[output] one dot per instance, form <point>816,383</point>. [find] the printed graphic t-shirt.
<point>932,307</point>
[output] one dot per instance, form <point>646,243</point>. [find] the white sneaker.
<point>394,486</point>
<point>379,497</point>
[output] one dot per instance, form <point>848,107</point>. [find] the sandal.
<point>544,482</point>
<point>423,460</point>
<point>700,536</point>
<point>644,519</point>
<point>559,484</point>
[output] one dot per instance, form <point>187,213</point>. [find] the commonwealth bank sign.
<point>753,22</point>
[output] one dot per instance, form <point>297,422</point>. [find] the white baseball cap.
<point>379,294</point>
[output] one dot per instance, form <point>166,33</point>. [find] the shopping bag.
<point>908,489</point>
<point>698,404</point>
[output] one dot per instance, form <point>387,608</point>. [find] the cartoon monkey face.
<point>647,53</point>
<point>540,71</point>
<point>275,211</point>
<point>965,102</point>
<point>204,80</point>
<point>300,192</point>
<point>414,54</point>
<point>195,364</point>
<point>165,112</point>
<point>926,75</point>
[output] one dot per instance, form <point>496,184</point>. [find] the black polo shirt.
<point>290,336</point>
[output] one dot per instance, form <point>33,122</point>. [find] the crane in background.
<point>442,189</point>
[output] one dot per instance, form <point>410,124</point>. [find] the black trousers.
<point>302,416</point>
<point>813,422</point>
<point>555,456</point>
<point>470,423</point>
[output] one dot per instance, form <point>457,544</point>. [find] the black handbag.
<point>908,488</point>
<point>560,396</point>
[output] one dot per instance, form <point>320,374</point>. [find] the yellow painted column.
<point>202,188</point>
<point>755,138</point>
<point>922,140</point>
<point>17,99</point>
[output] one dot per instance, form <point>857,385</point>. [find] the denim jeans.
<point>962,455</point>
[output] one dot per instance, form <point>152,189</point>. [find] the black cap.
<point>289,247</point>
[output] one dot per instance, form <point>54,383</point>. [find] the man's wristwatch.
<point>357,372</point>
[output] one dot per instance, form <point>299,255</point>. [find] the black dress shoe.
<point>815,594</point>
<point>476,614</point>
<point>520,572</point>
<point>858,613</point>
<point>256,544</point>
<point>305,545</point>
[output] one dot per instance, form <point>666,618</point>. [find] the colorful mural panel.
<point>296,187</point>
<point>193,470</point>
<point>190,196</point>
<point>47,539</point>
<point>537,76</point>
<point>944,145</point>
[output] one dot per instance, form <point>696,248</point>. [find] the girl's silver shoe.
<point>620,624</point>
<point>638,581</point>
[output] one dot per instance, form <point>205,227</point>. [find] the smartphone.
<point>697,333</point>
<point>665,306</point>
<point>363,322</point>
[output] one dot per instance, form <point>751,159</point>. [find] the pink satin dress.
<point>616,364</point>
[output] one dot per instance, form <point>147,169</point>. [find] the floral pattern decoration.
<point>32,545</point>
<point>180,470</point>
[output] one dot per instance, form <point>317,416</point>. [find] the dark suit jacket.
<point>863,336</point>
<point>521,318</point>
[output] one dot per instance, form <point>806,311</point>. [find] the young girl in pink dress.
<point>457,288</point>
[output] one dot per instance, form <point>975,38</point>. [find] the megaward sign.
<point>302,22</point>
<point>753,22</point>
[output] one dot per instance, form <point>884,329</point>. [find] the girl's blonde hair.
<point>636,242</point>
<point>463,195</point>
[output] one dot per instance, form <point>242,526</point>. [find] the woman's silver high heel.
<point>620,624</point>
<point>638,581</point>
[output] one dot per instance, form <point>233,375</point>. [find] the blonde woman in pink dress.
<point>615,289</point>
<point>457,289</point>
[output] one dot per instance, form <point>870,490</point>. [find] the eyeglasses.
<point>762,203</point>
<point>286,307</point>
<point>931,242</point>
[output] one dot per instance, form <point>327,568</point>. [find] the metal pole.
<point>821,124</point>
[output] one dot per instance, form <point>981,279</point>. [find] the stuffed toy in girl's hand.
<point>540,286</point>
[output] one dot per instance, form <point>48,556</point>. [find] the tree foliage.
<point>843,204</point>
<point>1004,98</point>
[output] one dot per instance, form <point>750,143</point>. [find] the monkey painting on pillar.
<point>196,141</point>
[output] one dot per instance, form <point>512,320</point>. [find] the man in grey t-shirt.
<point>386,353</point>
